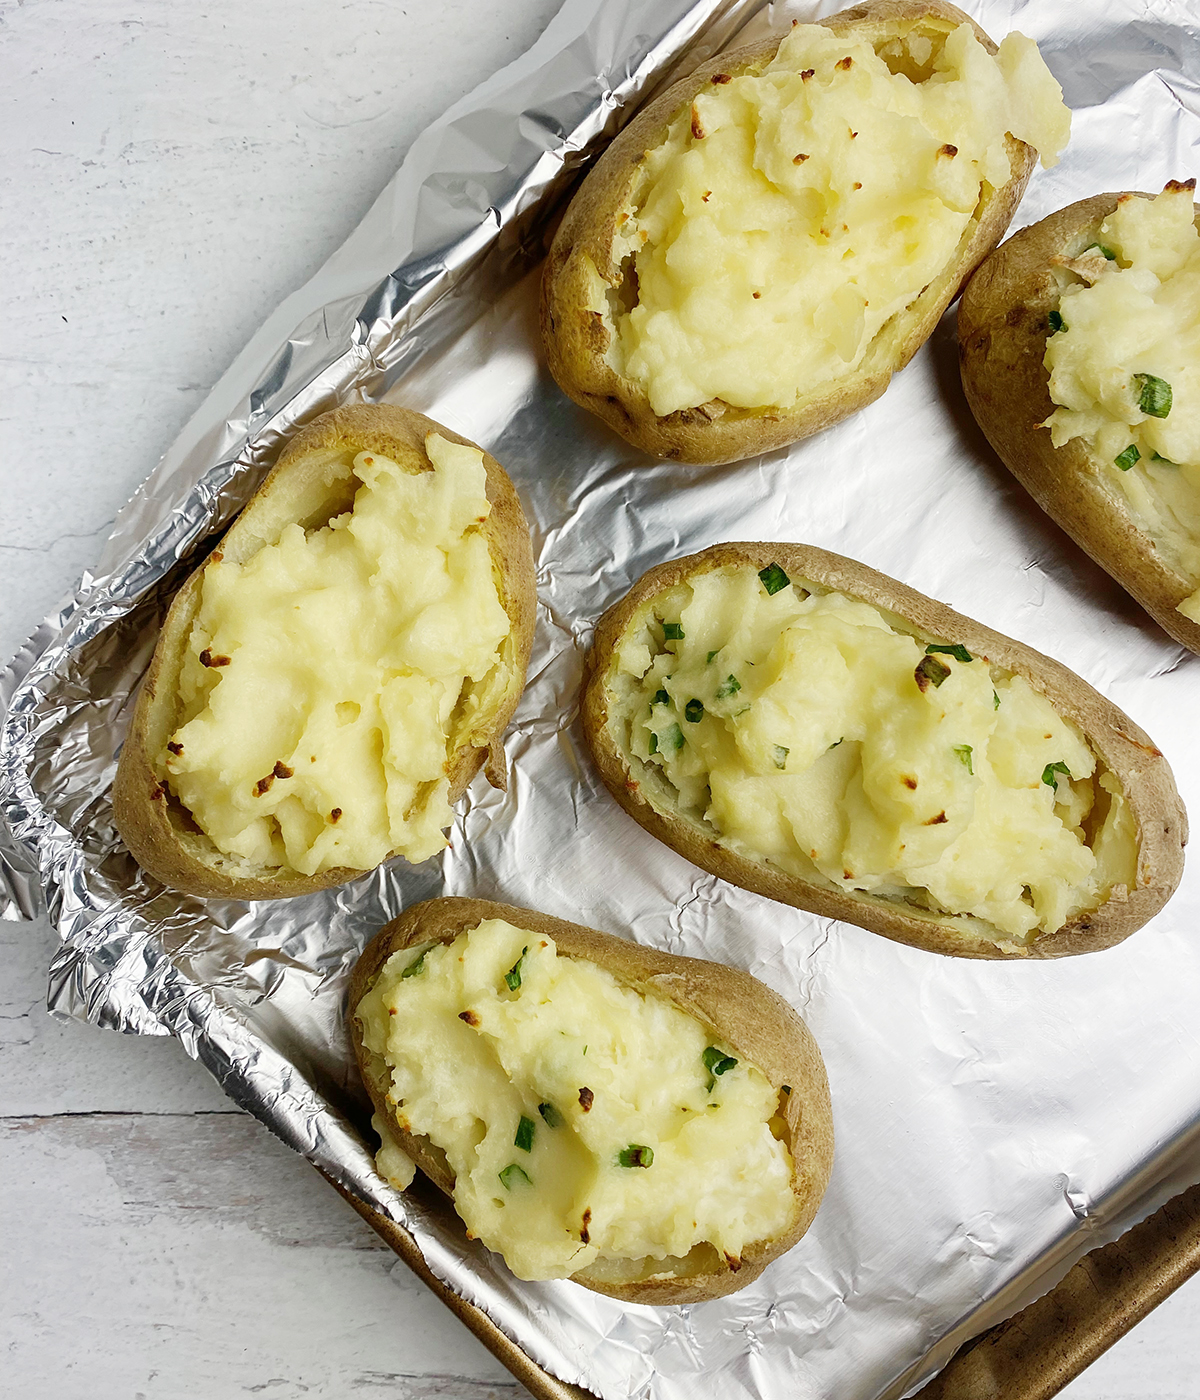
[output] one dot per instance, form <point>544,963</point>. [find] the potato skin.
<point>300,488</point>
<point>576,340</point>
<point>1125,749</point>
<point>1003,327</point>
<point>745,1013</point>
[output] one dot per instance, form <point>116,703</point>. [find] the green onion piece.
<point>660,697</point>
<point>693,711</point>
<point>1101,248</point>
<point>836,742</point>
<point>673,738</point>
<point>929,671</point>
<point>1127,458</point>
<point>957,651</point>
<point>636,1155</point>
<point>1050,770</point>
<point>963,752</point>
<point>729,686</point>
<point>773,578</point>
<point>995,701</point>
<point>513,1173</point>
<point>1056,322</point>
<point>781,756</point>
<point>524,1137</point>
<point>653,742</point>
<point>1154,395</point>
<point>513,975</point>
<point>785,1088</point>
<point>550,1115</point>
<point>717,1061</point>
<point>673,631</point>
<point>711,654</point>
<point>415,967</point>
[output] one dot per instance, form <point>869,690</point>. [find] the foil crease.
<point>993,1122</point>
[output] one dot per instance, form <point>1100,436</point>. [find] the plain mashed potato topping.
<point>584,1121</point>
<point>791,213</point>
<point>809,732</point>
<point>331,676</point>
<point>1124,365</point>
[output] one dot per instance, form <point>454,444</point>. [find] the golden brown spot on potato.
<point>720,78</point>
<point>808,72</point>
<point>391,1010</point>
<point>697,130</point>
<point>854,136</point>
<point>858,184</point>
<point>756,295</point>
<point>264,785</point>
<point>217,556</point>
<point>173,747</point>
<point>824,233</point>
<point>159,791</point>
<point>845,64</point>
<point>813,854</point>
<point>208,659</point>
<point>469,1017</point>
<point>847,874</point>
<point>705,195</point>
<point>1048,736</point>
<point>732,1260</point>
<point>583,1229</point>
<point>1175,186</point>
<point>909,782</point>
<point>586,1099</point>
<point>630,785</point>
<point>336,815</point>
<point>948,151</point>
<point>799,159</point>
<point>281,770</point>
<point>369,461</point>
<point>936,821</point>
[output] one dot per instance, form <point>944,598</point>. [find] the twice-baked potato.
<point>805,727</point>
<point>1080,349</point>
<point>653,1127</point>
<point>333,676</point>
<point>763,247</point>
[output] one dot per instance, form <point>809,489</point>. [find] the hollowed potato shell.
<point>754,1021</point>
<point>311,483</point>
<point>1003,326</point>
<point>1119,743</point>
<point>577,340</point>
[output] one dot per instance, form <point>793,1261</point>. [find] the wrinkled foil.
<point>993,1121</point>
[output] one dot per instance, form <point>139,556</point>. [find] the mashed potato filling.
<point>811,733</point>
<point>1124,364</point>
<point>792,212</point>
<point>330,676</point>
<point>584,1121</point>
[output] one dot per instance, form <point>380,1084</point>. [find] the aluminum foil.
<point>993,1122</point>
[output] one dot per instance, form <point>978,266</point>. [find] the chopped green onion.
<point>513,975</point>
<point>930,672</point>
<point>673,631</point>
<point>673,738</point>
<point>550,1115</point>
<point>1126,459</point>
<point>636,1155</point>
<point>1101,248</point>
<point>1050,770</point>
<point>1154,395</point>
<point>711,654</point>
<point>524,1137</point>
<point>781,756</point>
<point>1056,322</point>
<point>836,742</point>
<point>415,967</point>
<point>693,711</point>
<point>995,701</point>
<point>717,1061</point>
<point>957,650</point>
<point>773,578</point>
<point>653,742</point>
<point>963,752</point>
<point>729,686</point>
<point>785,1088</point>
<point>513,1173</point>
<point>660,697</point>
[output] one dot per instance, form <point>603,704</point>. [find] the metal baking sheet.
<point>993,1122</point>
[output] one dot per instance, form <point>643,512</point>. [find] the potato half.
<point>311,485</point>
<point>1004,322</point>
<point>754,1022</point>
<point>590,280</point>
<point>1146,807</point>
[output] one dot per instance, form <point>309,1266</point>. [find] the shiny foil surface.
<point>994,1121</point>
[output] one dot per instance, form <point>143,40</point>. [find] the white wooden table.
<point>168,173</point>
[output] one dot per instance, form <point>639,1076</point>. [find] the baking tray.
<point>438,298</point>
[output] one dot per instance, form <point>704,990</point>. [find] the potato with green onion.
<point>807,728</point>
<point>653,1127</point>
<point>1080,349</point>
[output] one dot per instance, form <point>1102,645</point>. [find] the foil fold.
<point>993,1122</point>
